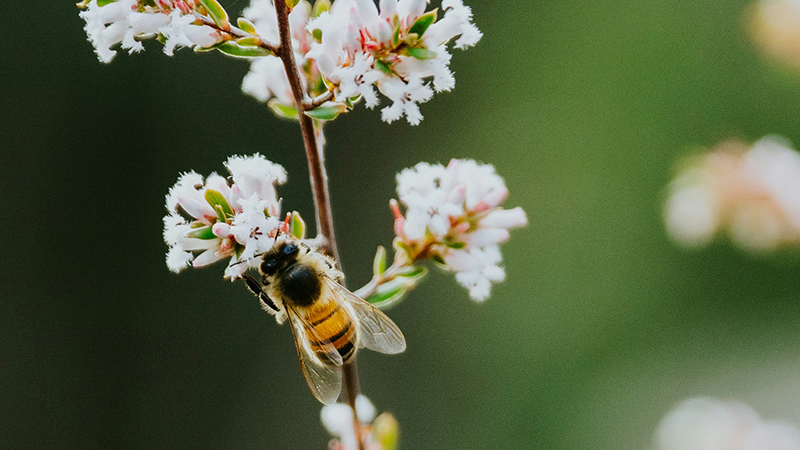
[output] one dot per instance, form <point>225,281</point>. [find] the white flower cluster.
<point>216,220</point>
<point>126,22</point>
<point>750,192</point>
<point>709,424</point>
<point>376,434</point>
<point>354,47</point>
<point>453,215</point>
<point>267,77</point>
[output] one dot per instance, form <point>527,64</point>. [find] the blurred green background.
<point>601,327</point>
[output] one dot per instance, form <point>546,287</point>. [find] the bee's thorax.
<point>300,285</point>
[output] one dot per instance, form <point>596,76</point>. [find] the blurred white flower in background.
<point>710,424</point>
<point>213,219</point>
<point>751,193</point>
<point>775,26</point>
<point>454,216</point>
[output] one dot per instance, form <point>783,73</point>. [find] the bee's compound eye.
<point>269,265</point>
<point>290,249</point>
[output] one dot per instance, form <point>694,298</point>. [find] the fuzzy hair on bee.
<point>329,323</point>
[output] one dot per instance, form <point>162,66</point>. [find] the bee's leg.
<point>257,289</point>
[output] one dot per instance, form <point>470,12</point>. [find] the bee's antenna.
<point>247,260</point>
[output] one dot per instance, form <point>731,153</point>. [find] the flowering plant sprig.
<point>312,63</point>
<point>453,217</point>
<point>343,51</point>
<point>224,220</point>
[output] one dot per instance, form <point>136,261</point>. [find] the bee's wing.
<point>324,380</point>
<point>376,331</point>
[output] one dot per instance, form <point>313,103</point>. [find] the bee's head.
<point>282,254</point>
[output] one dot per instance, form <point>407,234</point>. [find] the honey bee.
<point>329,323</point>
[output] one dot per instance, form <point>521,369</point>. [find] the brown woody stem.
<point>314,142</point>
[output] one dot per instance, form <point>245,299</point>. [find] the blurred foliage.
<point>601,327</point>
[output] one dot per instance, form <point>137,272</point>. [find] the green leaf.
<point>105,2</point>
<point>297,226</point>
<point>231,48</point>
<point>317,34</point>
<point>421,53</point>
<point>379,262</point>
<point>396,37</point>
<point>201,233</point>
<point>219,203</point>
<point>415,273</point>
<point>292,3</point>
<point>217,13</point>
<point>454,244</point>
<point>383,67</point>
<point>438,259</point>
<point>328,111</point>
<point>246,25</point>
<point>387,295</point>
<point>320,6</point>
<point>250,41</point>
<point>283,110</point>
<point>423,23</point>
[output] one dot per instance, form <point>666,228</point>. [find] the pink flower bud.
<point>221,229</point>
<point>505,218</point>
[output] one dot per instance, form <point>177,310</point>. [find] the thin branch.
<point>309,104</point>
<point>319,179</point>
<point>313,139</point>
<point>237,33</point>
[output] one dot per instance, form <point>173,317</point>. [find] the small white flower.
<point>267,77</point>
<point>710,424</point>
<point>338,420</point>
<point>453,213</point>
<point>224,220</point>
<point>181,32</point>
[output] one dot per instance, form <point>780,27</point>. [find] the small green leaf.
<point>219,203</point>
<point>283,110</point>
<point>297,226</point>
<point>383,67</point>
<point>438,259</point>
<point>231,48</point>
<point>317,34</point>
<point>292,3</point>
<point>423,23</point>
<point>328,111</point>
<point>415,273</point>
<point>387,295</point>
<point>246,25</point>
<point>217,13</point>
<point>201,233</point>
<point>379,262</point>
<point>421,53</point>
<point>320,6</point>
<point>396,37</point>
<point>455,244</point>
<point>220,213</point>
<point>250,41</point>
<point>105,2</point>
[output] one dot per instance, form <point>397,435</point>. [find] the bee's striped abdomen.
<point>332,324</point>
